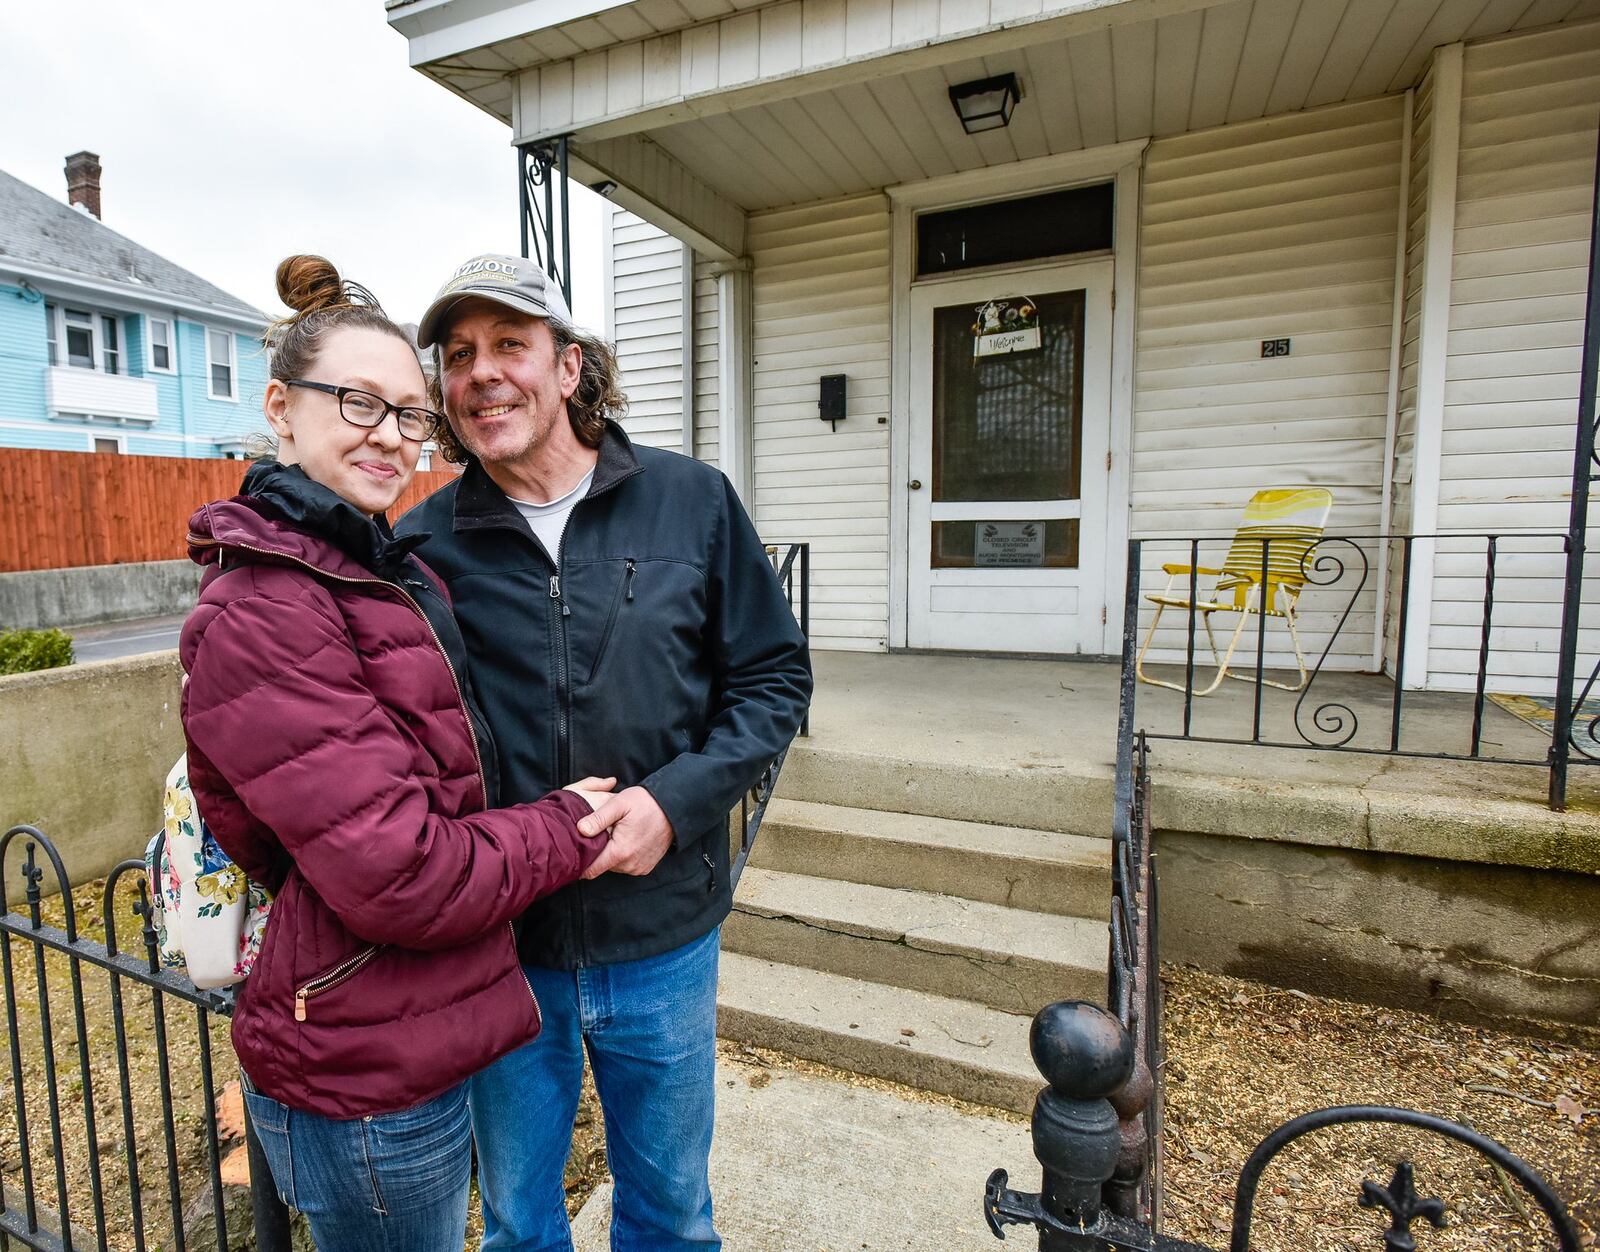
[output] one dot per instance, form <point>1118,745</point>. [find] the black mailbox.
<point>830,400</point>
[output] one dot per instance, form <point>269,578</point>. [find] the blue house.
<point>107,347</point>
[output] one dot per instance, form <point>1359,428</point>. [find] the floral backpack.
<point>208,916</point>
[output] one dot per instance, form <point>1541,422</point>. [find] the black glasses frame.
<point>428,416</point>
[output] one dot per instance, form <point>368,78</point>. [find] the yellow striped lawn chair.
<point>1288,523</point>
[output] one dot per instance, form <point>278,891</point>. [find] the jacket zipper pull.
<point>555,594</point>
<point>300,1005</point>
<point>629,596</point>
<point>711,865</point>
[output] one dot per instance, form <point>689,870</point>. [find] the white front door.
<point>1010,408</point>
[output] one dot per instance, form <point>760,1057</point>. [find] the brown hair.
<point>599,393</point>
<point>322,302</point>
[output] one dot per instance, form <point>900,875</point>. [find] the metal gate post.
<point>1583,467</point>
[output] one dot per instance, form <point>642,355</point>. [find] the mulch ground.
<point>1242,1058</point>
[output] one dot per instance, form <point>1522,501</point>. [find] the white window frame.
<point>232,363</point>
<point>57,332</point>
<point>171,324</point>
<point>120,440</point>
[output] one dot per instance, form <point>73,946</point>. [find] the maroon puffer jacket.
<point>332,755</point>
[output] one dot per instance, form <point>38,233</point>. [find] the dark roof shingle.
<point>42,230</point>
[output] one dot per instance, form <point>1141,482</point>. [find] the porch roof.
<point>731,106</point>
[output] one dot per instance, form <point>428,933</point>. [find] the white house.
<point>1239,244</point>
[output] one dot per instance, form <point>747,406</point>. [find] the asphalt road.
<point>104,643</point>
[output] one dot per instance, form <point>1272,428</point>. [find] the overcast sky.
<point>235,132</point>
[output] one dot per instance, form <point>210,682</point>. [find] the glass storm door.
<point>1010,422</point>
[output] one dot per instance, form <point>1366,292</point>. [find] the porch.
<point>1033,743</point>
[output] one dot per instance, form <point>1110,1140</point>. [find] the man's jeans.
<point>651,1030</point>
<point>396,1182</point>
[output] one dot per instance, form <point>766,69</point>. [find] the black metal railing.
<point>794,575</point>
<point>544,216</point>
<point>1356,598</point>
<point>78,1207</point>
<point>1089,1062</point>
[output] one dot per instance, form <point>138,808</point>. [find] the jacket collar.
<point>282,512</point>
<point>481,505</point>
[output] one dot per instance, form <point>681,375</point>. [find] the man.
<point>622,620</point>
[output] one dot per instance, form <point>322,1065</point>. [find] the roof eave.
<point>253,320</point>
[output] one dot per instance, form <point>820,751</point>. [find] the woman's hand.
<point>594,790</point>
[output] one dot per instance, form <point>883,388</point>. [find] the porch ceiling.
<point>1235,62</point>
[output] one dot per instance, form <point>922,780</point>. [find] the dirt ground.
<point>1242,1057</point>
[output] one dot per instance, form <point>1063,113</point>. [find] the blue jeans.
<point>651,1031</point>
<point>396,1182</point>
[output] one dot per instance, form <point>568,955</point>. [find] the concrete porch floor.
<point>1047,731</point>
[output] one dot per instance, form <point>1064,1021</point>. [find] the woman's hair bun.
<point>308,284</point>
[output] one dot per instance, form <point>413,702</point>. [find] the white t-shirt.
<point>549,521</point>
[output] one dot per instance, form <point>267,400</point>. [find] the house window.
<point>1009,232</point>
<point>161,345</point>
<point>219,363</point>
<point>110,344</point>
<point>80,338</point>
<point>101,444</point>
<point>89,340</point>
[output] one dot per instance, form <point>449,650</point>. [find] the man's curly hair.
<point>599,394</point>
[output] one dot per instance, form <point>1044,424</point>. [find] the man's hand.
<point>640,833</point>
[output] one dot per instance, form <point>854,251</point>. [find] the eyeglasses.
<point>362,408</point>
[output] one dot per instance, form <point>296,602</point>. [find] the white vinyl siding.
<point>1282,228</point>
<point>646,273</point>
<point>1525,195</point>
<point>821,300</point>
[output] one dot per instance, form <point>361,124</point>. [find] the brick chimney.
<point>83,181</point>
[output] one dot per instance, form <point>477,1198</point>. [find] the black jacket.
<point>661,651</point>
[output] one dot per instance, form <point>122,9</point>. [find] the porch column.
<point>1438,260</point>
<point>734,428</point>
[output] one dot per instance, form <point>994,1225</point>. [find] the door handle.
<point>915,484</point>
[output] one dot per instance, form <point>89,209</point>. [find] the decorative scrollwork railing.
<point>1088,1060</point>
<point>1326,585</point>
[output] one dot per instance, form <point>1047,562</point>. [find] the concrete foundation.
<point>86,750</point>
<point>88,594</point>
<point>1478,942</point>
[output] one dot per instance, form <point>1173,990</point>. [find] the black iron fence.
<point>102,1146</point>
<point>1296,624</point>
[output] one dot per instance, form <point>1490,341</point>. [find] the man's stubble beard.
<point>538,438</point>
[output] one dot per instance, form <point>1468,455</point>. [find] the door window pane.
<point>1006,545</point>
<point>1004,232</point>
<point>1009,427</point>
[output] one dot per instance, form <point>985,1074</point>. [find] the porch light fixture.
<point>986,103</point>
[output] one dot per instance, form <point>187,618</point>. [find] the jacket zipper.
<point>626,585</point>
<point>317,986</point>
<point>340,973</point>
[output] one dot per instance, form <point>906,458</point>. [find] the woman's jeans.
<point>396,1182</point>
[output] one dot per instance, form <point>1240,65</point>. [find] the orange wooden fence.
<point>59,509</point>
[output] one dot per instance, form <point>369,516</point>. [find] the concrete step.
<point>1044,871</point>
<point>1008,959</point>
<point>953,1046</point>
<point>1074,800</point>
<point>806,1163</point>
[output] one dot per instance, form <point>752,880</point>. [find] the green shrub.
<point>22,651</point>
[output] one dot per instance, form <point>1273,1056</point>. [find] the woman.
<point>336,754</point>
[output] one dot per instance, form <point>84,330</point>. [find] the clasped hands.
<point>640,831</point>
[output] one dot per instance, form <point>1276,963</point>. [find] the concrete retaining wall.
<point>86,751</point>
<point>88,594</point>
<point>1470,941</point>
